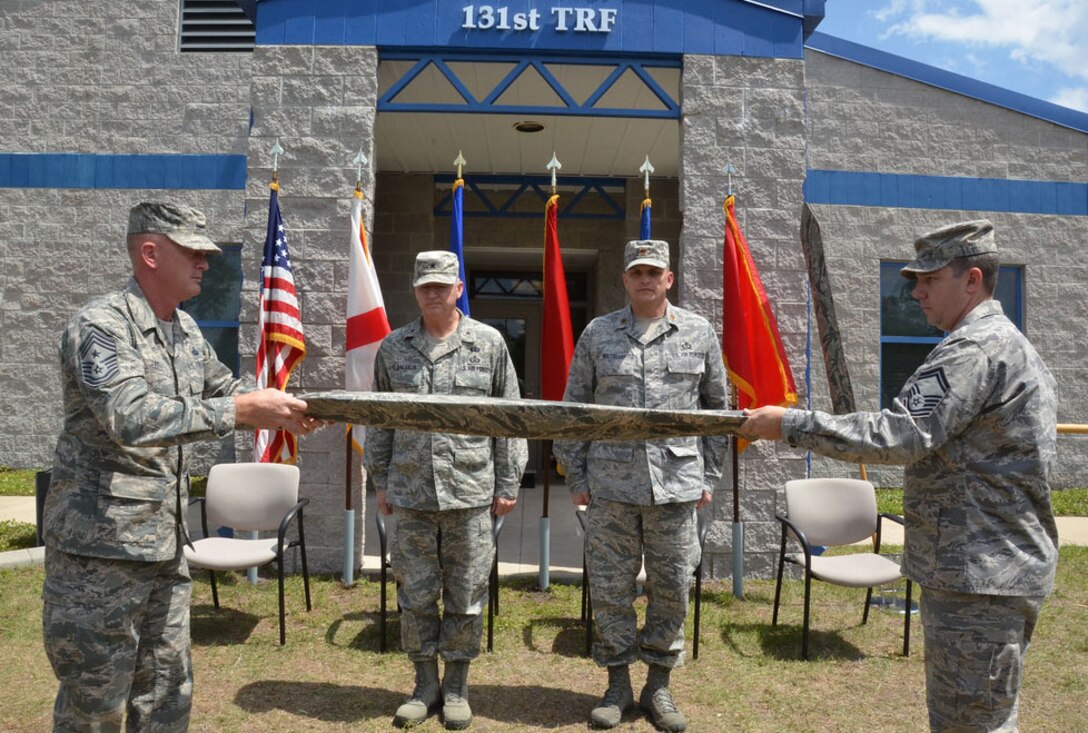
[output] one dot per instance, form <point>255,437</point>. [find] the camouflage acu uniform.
<point>643,492</point>
<point>116,614</point>
<point>975,426</point>
<point>443,485</point>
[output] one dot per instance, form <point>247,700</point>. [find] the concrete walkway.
<point>519,543</point>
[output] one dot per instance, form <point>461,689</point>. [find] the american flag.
<point>279,325</point>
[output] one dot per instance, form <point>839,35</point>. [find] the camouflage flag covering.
<point>504,418</point>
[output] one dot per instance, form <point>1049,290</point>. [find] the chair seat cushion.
<point>231,553</point>
<point>861,570</point>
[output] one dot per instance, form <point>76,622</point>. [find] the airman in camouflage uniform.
<point>975,426</point>
<point>139,382</point>
<point>444,488</point>
<point>643,494</point>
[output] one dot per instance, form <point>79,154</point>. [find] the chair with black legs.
<point>251,497</point>
<point>832,512</point>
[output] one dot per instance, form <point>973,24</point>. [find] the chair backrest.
<point>832,511</point>
<point>251,496</point>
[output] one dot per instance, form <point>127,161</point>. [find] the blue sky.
<point>1035,47</point>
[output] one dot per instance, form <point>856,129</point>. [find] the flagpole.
<point>644,215</point>
<point>275,151</point>
<point>348,576</point>
<point>738,526</point>
<point>545,520</point>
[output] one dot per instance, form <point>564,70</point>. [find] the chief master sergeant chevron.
<point>976,427</point>
<point>139,382</point>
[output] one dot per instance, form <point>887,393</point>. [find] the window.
<point>217,25</point>
<point>906,338</point>
<point>218,308</point>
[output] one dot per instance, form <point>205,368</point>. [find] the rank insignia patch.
<point>927,392</point>
<point>98,359</point>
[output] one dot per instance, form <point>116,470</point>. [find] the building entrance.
<point>512,302</point>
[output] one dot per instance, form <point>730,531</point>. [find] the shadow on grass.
<point>568,635</point>
<point>211,626</point>
<point>367,640</point>
<point>527,705</point>
<point>783,642</point>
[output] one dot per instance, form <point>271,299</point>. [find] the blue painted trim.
<point>756,28</point>
<point>569,107</point>
<point>905,191</point>
<point>538,185</point>
<point>948,81</point>
<point>910,339</point>
<point>122,171</point>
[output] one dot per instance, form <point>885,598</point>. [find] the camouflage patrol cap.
<point>937,249</point>
<point>436,266</point>
<point>652,252</point>
<point>183,224</point>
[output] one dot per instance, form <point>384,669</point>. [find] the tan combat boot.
<point>656,701</point>
<point>455,709</point>
<point>617,698</point>
<point>425,698</point>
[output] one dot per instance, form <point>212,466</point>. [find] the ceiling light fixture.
<point>528,126</point>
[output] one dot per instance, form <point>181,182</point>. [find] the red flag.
<point>557,336</point>
<point>279,327</point>
<point>751,345</point>
<point>367,323</point>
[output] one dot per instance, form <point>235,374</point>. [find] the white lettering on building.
<point>579,20</point>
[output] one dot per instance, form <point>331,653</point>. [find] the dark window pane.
<point>219,305</point>
<point>220,296</point>
<point>1009,282</point>
<point>899,312</point>
<point>897,363</point>
<point>522,285</point>
<point>225,343</point>
<point>900,316</point>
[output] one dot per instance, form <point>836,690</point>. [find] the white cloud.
<point>1050,31</point>
<point>1072,97</point>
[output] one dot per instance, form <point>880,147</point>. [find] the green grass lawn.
<point>330,676</point>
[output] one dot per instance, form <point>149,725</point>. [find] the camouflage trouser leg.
<point>117,635</point>
<point>446,553</point>
<point>617,536</point>
<point>974,648</point>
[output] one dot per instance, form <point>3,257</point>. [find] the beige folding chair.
<point>259,497</point>
<point>831,512</point>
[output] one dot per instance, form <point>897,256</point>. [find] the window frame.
<point>1010,283</point>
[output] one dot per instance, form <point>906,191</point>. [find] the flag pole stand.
<point>738,526</point>
<point>349,515</point>
<point>546,522</point>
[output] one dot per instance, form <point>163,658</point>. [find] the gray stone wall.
<point>749,112</point>
<point>863,119</point>
<point>319,103</point>
<point>91,76</point>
